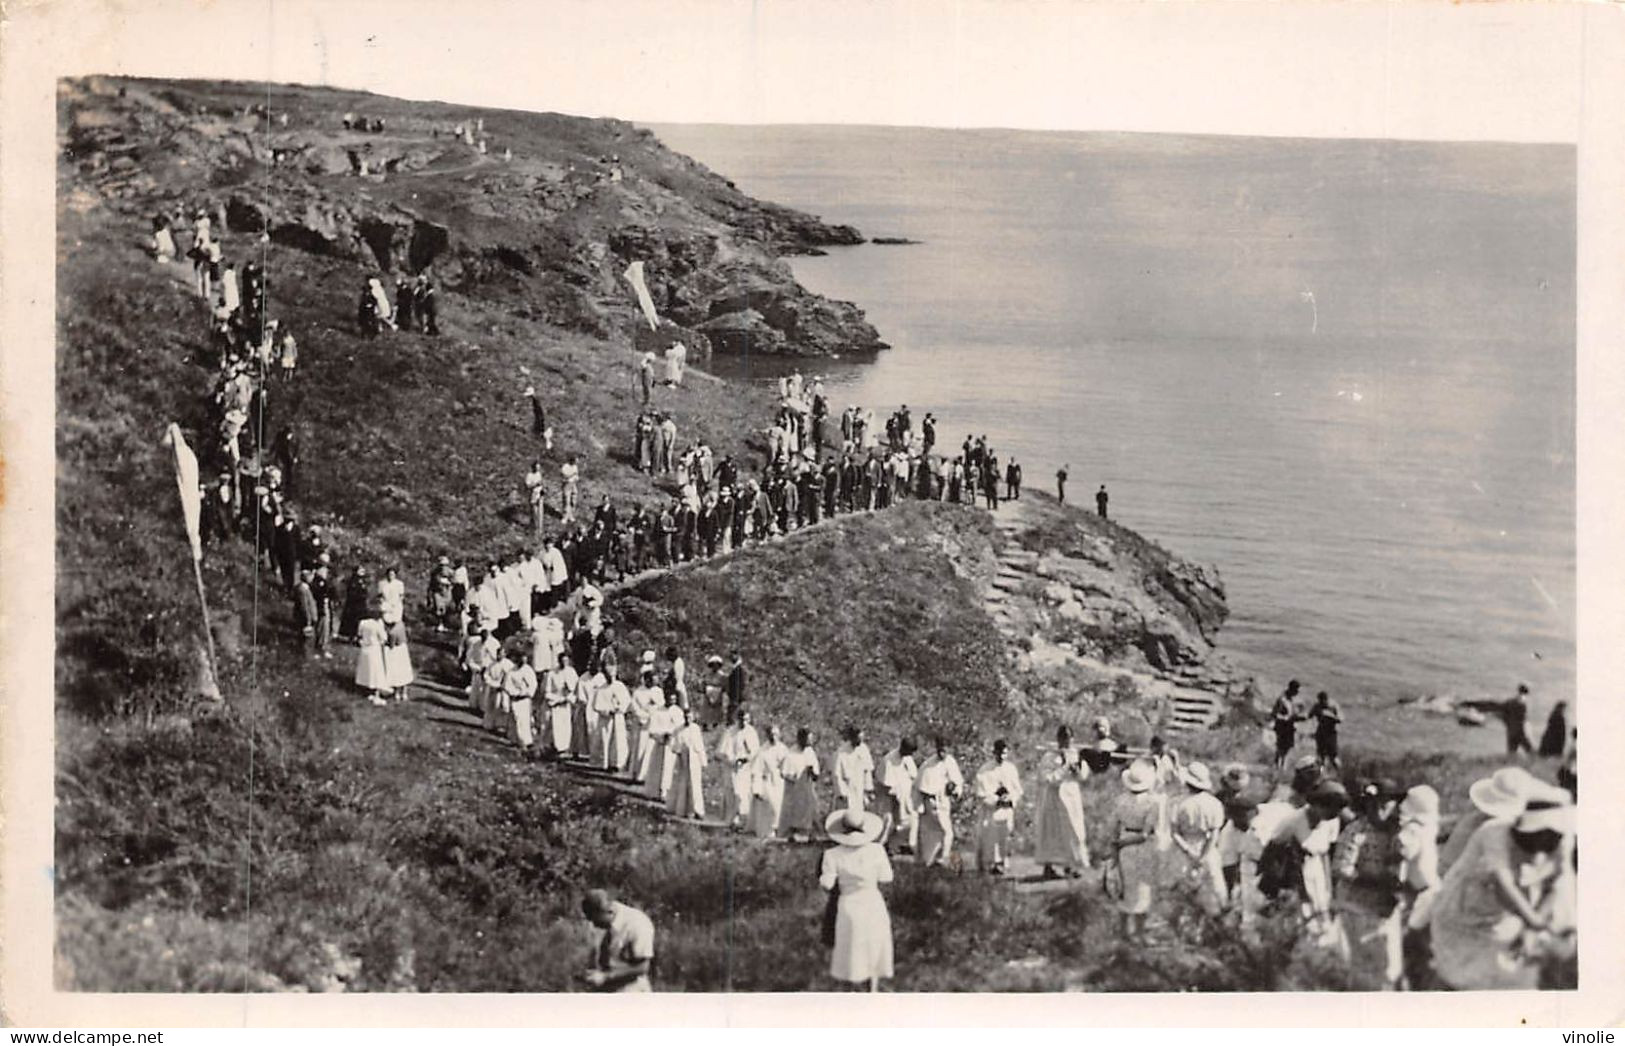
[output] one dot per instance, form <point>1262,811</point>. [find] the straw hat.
<point>1503,793</point>
<point>1197,777</point>
<point>1140,776</point>
<point>1420,804</point>
<point>853,827</point>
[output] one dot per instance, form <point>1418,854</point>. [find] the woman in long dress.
<point>800,768</point>
<point>1195,821</point>
<point>737,754</point>
<point>687,787</point>
<point>1062,839</point>
<point>370,673</point>
<point>856,866</point>
<point>1503,906</point>
<point>661,762</point>
<point>1135,816</point>
<point>767,786</point>
<point>398,661</point>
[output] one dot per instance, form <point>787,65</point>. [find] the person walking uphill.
<point>854,868</point>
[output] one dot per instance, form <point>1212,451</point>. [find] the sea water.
<point>1342,372</point>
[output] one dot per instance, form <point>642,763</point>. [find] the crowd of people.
<point>1484,906</point>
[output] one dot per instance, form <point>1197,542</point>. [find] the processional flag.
<point>191,495</point>
<point>634,276</point>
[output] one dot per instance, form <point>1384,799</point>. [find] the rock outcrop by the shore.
<point>547,217</point>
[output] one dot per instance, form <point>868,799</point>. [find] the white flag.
<point>634,276</point>
<point>191,496</point>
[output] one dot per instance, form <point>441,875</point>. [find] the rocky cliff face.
<point>545,217</point>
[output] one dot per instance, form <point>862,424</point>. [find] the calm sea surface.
<point>1341,372</point>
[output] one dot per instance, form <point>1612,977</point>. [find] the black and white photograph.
<point>754,498</point>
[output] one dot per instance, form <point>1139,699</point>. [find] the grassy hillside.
<point>296,837</point>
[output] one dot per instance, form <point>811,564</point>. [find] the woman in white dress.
<point>1195,821</point>
<point>370,674</point>
<point>1062,839</point>
<point>398,662</point>
<point>856,866</point>
<point>800,769</point>
<point>767,786</point>
<point>688,783</point>
<point>1135,816</point>
<point>1506,904</point>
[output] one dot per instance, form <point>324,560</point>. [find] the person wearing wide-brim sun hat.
<point>1506,905</point>
<point>1134,818</point>
<point>853,870</point>
<point>1498,797</point>
<point>1194,820</point>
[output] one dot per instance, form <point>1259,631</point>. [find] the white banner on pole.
<point>634,276</point>
<point>191,495</point>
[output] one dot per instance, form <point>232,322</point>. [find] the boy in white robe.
<point>737,754</point>
<point>854,770</point>
<point>610,704</point>
<point>940,781</point>
<point>559,690</point>
<point>647,700</point>
<point>998,787</point>
<point>519,687</point>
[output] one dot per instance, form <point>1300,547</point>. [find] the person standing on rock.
<point>1284,718</point>
<point>1101,497</point>
<point>1060,484</point>
<point>1012,480</point>
<point>1328,717</point>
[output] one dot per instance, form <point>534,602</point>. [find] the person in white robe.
<point>583,722</point>
<point>1062,841</point>
<point>895,797</point>
<point>558,689</point>
<point>687,797</point>
<point>610,704</point>
<point>546,642</point>
<point>661,762</point>
<point>370,673</point>
<point>736,753</point>
<point>767,786</point>
<point>481,653</point>
<point>647,700</point>
<point>800,768</point>
<point>939,783</point>
<point>495,713</point>
<point>855,868</point>
<point>854,770</point>
<point>519,687</point>
<point>386,315</point>
<point>998,789</point>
